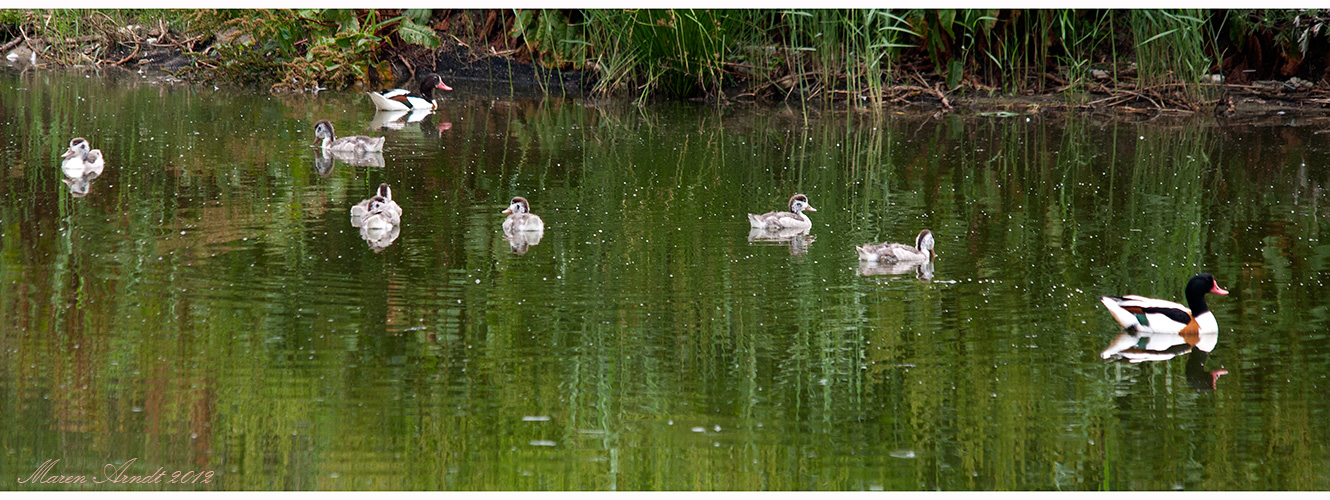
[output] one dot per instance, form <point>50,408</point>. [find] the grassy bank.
<point>1167,59</point>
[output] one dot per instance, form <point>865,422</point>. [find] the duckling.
<point>794,219</point>
<point>922,251</point>
<point>386,193</point>
<point>521,219</point>
<point>81,157</point>
<point>379,217</point>
<point>323,129</point>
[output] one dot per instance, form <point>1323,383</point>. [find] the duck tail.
<point>865,255</point>
<point>754,221</point>
<point>383,104</point>
<point>1124,317</point>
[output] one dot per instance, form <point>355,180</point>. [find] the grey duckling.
<point>521,219</point>
<point>922,251</point>
<point>323,129</point>
<point>794,219</point>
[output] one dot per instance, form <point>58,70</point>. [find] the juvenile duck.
<point>379,217</point>
<point>794,219</point>
<point>363,208</point>
<point>521,219</point>
<point>323,129</point>
<point>81,157</point>
<point>922,251</point>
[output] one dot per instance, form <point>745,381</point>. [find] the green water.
<point>207,305</point>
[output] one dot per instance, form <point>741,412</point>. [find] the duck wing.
<point>1133,310</point>
<point>888,252</point>
<point>777,220</point>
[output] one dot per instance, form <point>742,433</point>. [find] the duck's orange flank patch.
<point>399,98</point>
<point>1192,332</point>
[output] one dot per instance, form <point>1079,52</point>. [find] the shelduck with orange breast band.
<point>1143,314</point>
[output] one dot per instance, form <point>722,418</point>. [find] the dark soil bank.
<point>484,48</point>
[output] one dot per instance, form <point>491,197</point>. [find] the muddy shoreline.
<point>1269,101</point>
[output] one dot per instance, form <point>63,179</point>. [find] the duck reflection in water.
<point>797,238</point>
<point>922,270</point>
<point>372,159</point>
<point>323,164</point>
<point>78,186</point>
<point>397,120</point>
<point>521,241</point>
<point>379,237</point>
<point>1147,346</point>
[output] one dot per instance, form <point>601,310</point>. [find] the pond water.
<point>205,304</point>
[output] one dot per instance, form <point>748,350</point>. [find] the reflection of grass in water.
<point>981,380</point>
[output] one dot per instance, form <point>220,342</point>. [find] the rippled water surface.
<point>205,304</point>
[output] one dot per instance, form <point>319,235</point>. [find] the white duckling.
<point>521,219</point>
<point>402,99</point>
<point>323,129</point>
<point>386,193</point>
<point>81,157</point>
<point>794,219</point>
<point>379,217</point>
<point>922,251</point>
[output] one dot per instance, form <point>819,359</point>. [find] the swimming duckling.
<point>521,219</point>
<point>794,219</point>
<point>922,251</point>
<point>80,157</point>
<point>379,217</point>
<point>323,129</point>
<point>363,208</point>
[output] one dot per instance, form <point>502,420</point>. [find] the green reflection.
<point>208,305</point>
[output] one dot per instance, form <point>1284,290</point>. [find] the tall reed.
<point>1173,48</point>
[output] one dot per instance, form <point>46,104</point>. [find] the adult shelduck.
<point>1143,314</point>
<point>402,99</point>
